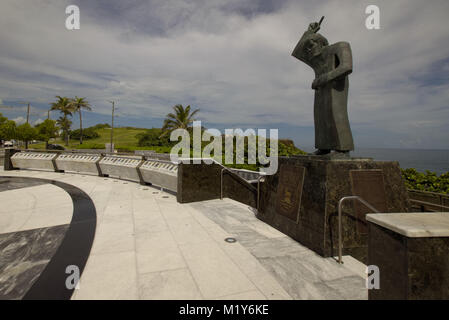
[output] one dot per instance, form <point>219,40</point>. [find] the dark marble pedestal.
<point>412,254</point>
<point>301,200</point>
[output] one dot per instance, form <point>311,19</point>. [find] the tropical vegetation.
<point>426,181</point>
<point>77,105</point>
<point>63,105</point>
<point>47,130</point>
<point>182,118</point>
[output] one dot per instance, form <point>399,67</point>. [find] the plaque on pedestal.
<point>369,185</point>
<point>291,180</point>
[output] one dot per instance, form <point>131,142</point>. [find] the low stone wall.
<point>85,163</point>
<point>161,174</point>
<point>121,167</point>
<point>34,160</point>
<point>135,168</point>
<point>199,182</point>
<point>411,252</point>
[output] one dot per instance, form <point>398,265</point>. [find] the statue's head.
<point>315,44</point>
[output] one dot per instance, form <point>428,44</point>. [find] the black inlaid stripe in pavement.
<point>74,249</point>
<point>7,184</point>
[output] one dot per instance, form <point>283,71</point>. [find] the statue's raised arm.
<point>301,50</point>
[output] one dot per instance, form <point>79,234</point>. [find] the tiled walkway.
<point>148,246</point>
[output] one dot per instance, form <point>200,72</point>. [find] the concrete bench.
<point>162,174</point>
<point>121,167</point>
<point>85,163</point>
<point>34,160</point>
<point>411,251</point>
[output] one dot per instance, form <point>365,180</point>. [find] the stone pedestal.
<point>412,253</point>
<point>301,200</point>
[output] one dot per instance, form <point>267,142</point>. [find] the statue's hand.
<point>318,82</point>
<point>314,27</point>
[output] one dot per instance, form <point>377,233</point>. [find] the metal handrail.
<point>340,205</point>
<point>442,198</point>
<point>258,190</point>
<point>430,204</point>
<point>429,192</point>
<point>237,176</point>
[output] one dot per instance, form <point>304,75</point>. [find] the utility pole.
<point>28,110</point>
<point>28,119</point>
<point>112,124</point>
<point>28,113</point>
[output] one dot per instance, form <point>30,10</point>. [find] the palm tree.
<point>63,105</point>
<point>77,104</point>
<point>181,119</point>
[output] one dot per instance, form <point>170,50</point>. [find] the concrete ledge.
<point>34,160</point>
<point>411,268</point>
<point>162,174</point>
<point>121,167</point>
<point>85,163</point>
<point>414,225</point>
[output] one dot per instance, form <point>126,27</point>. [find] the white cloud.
<point>236,69</point>
<point>19,120</point>
<point>38,121</point>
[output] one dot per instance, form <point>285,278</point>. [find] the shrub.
<point>428,181</point>
<point>100,126</point>
<point>152,138</point>
<point>88,133</point>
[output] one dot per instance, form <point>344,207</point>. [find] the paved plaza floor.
<point>148,246</point>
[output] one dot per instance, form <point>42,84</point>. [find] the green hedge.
<point>428,181</point>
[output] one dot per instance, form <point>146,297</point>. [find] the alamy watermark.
<point>372,277</point>
<point>256,146</point>
<point>73,280</point>
<point>72,22</point>
<point>372,22</point>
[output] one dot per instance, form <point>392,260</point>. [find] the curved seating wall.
<point>34,160</point>
<point>121,167</point>
<point>85,163</point>
<point>162,174</point>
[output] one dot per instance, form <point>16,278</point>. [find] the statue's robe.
<point>332,129</point>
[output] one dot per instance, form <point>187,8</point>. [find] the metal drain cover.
<point>230,240</point>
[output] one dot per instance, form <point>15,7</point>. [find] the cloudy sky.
<point>231,59</point>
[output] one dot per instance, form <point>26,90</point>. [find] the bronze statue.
<point>332,65</point>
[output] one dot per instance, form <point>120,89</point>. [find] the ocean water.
<point>420,159</point>
<point>433,160</point>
